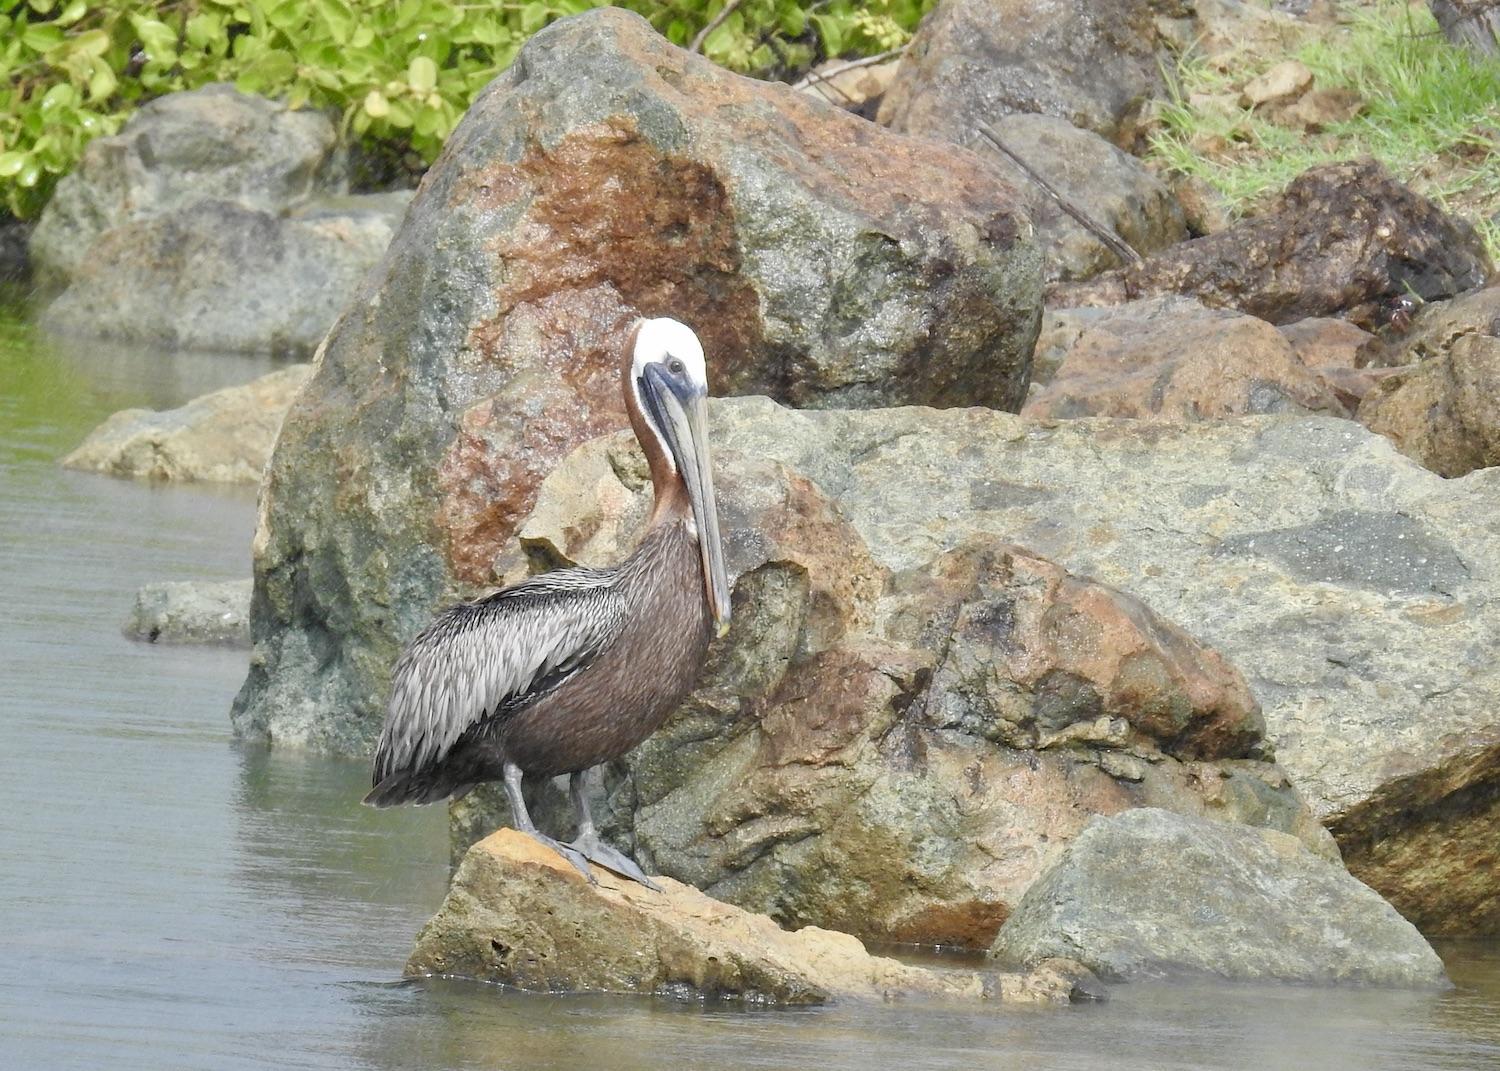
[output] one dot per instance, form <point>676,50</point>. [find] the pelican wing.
<point>489,658</point>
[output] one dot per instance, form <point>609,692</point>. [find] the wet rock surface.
<point>223,437</point>
<point>1174,359</point>
<point>1111,187</point>
<point>1150,894</point>
<point>824,261</point>
<point>192,612</point>
<point>1344,239</point>
<point>518,914</point>
<point>1304,549</point>
<point>973,61</point>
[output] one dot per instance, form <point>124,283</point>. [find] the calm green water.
<point>171,899</point>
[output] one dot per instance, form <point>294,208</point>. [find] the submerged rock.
<point>1149,894</point>
<point>973,61</point>
<point>1303,549</point>
<point>1343,239</point>
<point>605,175</point>
<point>519,914</point>
<point>225,436</point>
<point>192,612</point>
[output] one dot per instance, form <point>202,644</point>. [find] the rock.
<point>1346,359</point>
<point>823,260</point>
<point>1149,893</point>
<point>1173,359</point>
<point>1303,549</point>
<point>1228,30</point>
<point>973,61</point>
<point>218,276</point>
<point>192,612</point>
<point>518,914</point>
<point>1444,413</point>
<point>1314,112</point>
<point>1204,209</point>
<point>1439,324</point>
<point>212,143</point>
<point>1111,187</point>
<point>1284,82</point>
<point>898,731</point>
<point>1344,238</point>
<point>856,89</point>
<point>225,436</point>
<point>15,261</point>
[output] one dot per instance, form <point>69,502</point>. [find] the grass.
<point>1432,116</point>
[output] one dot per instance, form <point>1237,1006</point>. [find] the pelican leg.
<point>591,846</point>
<point>522,819</point>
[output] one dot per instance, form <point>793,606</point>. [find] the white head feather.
<point>662,339</point>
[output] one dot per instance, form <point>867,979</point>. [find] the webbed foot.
<point>568,851</point>
<point>591,847</point>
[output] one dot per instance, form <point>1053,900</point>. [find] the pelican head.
<point>668,382</point>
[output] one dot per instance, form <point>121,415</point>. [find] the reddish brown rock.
<point>1344,239</point>
<point>1347,359</point>
<point>823,260</point>
<point>1173,359</point>
<point>1445,412</point>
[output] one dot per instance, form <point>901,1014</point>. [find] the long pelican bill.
<point>682,413</point>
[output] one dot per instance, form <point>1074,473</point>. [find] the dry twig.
<point>714,24</point>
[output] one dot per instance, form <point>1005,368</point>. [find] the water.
<point>172,899</point>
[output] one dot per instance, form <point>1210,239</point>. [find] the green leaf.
<point>93,43</point>
<point>11,163</point>
<point>376,106</point>
<point>158,38</point>
<point>102,81</point>
<point>421,74</point>
<point>831,30</point>
<point>72,13</point>
<point>61,95</point>
<point>533,17</point>
<point>43,37</point>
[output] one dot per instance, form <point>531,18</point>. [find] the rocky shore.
<point>1124,601</point>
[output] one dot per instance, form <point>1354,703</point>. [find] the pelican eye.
<point>676,367</point>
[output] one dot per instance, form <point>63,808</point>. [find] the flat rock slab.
<point>225,436</point>
<point>1149,893</point>
<point>519,914</point>
<point>192,612</point>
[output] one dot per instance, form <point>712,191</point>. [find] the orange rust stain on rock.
<point>612,229</point>
<point>970,924</point>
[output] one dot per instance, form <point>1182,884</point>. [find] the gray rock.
<point>225,436</point>
<point>216,275</point>
<point>606,174</point>
<point>973,61</point>
<point>1149,893</point>
<point>1368,645</point>
<point>212,143</point>
<point>1111,187</point>
<point>192,612</point>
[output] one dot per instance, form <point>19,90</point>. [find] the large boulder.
<point>1173,359</point>
<point>607,174</point>
<point>225,436</point>
<point>1111,187</point>
<point>207,144</point>
<point>216,275</point>
<point>1150,894</point>
<point>1343,239</point>
<point>897,735</point>
<point>1305,549</point>
<point>972,61</point>
<point>520,915</point>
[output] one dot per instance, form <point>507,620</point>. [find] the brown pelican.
<point>573,668</point>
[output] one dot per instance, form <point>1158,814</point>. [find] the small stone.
<point>1319,109</point>
<point>1286,81</point>
<point>185,612</point>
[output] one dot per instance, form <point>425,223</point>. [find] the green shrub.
<point>399,72</point>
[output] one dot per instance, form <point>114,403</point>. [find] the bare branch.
<point>714,24</point>
<point>1115,243</point>
<point>814,77</point>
